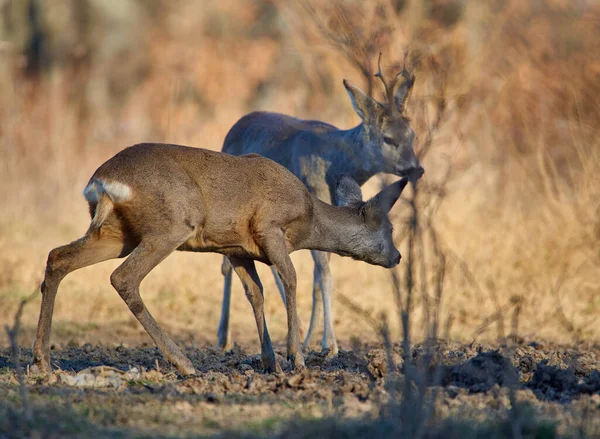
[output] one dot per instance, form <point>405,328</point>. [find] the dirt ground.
<point>104,391</point>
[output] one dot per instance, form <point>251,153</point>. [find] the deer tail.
<point>104,195</point>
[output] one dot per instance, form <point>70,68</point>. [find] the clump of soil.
<point>553,383</point>
<point>480,373</point>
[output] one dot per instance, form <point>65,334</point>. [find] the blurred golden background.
<point>518,83</point>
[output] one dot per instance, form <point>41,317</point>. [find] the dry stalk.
<point>560,314</point>
<point>13,334</point>
<point>498,316</point>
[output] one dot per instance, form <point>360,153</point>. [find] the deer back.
<point>223,200</point>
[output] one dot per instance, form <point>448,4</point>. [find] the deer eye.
<point>390,141</point>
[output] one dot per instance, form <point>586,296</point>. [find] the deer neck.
<point>351,156</point>
<point>332,229</point>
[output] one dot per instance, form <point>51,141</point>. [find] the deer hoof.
<point>299,368</point>
<point>225,346</point>
<point>272,366</point>
<point>186,368</point>
<point>224,342</point>
<point>41,368</point>
<point>297,361</point>
<point>330,352</point>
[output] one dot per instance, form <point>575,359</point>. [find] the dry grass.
<point>520,217</point>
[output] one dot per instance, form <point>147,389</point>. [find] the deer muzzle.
<point>393,260</point>
<point>413,173</point>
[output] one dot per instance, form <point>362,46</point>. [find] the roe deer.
<point>318,153</point>
<point>152,199</point>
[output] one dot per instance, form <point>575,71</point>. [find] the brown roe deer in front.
<point>318,153</point>
<point>152,199</point>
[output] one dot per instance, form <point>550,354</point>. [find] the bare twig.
<point>498,316</point>
<point>560,313</point>
<point>518,305</point>
<point>13,334</point>
<point>366,316</point>
<point>358,41</point>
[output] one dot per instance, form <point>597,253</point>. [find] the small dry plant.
<point>13,337</point>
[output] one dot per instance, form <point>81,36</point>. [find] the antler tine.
<point>407,76</point>
<point>379,74</point>
<point>406,86</point>
<point>389,86</point>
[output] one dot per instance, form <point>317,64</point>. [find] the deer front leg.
<point>281,290</point>
<point>246,271</point>
<point>278,284</point>
<point>276,251</point>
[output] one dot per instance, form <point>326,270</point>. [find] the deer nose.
<point>415,173</point>
<point>394,260</point>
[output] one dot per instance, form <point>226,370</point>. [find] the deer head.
<point>387,130</point>
<point>372,240</point>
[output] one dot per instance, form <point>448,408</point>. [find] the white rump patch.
<point>117,191</point>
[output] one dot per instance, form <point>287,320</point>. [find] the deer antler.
<point>409,81</point>
<point>391,86</point>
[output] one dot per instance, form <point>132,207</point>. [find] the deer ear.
<point>365,106</point>
<point>386,199</point>
<point>347,192</point>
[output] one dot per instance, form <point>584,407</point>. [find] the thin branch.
<point>357,42</point>
<point>13,334</point>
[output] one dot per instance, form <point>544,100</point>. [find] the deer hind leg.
<point>223,333</point>
<point>325,281</point>
<point>126,280</point>
<point>246,271</point>
<point>86,251</point>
